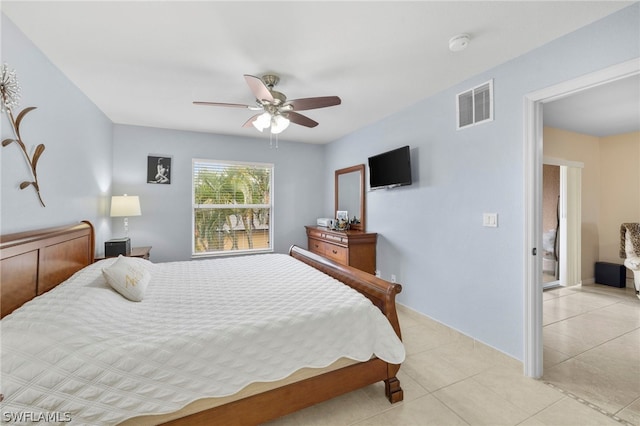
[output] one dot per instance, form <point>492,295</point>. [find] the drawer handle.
<point>335,251</point>
<point>317,245</point>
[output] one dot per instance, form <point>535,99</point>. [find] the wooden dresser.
<point>353,248</point>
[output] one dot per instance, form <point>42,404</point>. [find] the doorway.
<point>533,143</point>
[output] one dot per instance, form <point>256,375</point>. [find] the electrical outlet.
<point>378,274</point>
<point>393,278</point>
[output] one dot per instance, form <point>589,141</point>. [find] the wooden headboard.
<point>34,262</point>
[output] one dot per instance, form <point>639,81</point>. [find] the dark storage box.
<point>611,274</point>
<point>117,246</point>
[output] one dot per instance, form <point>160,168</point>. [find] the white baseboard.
<point>591,281</point>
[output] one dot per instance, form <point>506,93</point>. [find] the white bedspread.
<point>205,328</point>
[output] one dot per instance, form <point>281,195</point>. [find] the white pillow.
<point>142,263</point>
<point>129,277</point>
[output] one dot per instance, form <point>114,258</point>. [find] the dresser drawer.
<point>328,236</point>
<point>316,246</point>
<point>339,254</point>
<point>333,252</point>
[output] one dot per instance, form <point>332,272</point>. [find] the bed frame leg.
<point>392,390</point>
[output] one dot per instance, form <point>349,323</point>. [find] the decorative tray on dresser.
<point>353,248</point>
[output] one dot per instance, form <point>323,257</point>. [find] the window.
<point>232,207</point>
<point>476,105</point>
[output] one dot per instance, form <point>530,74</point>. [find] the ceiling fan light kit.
<point>277,113</point>
<point>262,121</point>
<point>278,123</point>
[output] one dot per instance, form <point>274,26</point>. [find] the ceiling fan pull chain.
<point>271,140</point>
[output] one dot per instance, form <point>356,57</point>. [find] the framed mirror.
<point>349,195</point>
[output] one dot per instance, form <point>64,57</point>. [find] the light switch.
<point>490,220</point>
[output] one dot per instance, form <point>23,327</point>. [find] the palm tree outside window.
<point>232,207</point>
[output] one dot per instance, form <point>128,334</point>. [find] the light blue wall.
<point>430,234</point>
<point>165,223</point>
<point>74,171</point>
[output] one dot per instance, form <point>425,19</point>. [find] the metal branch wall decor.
<point>10,97</point>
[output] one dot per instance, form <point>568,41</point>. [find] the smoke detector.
<point>459,42</point>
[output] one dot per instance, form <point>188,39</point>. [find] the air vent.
<point>475,106</point>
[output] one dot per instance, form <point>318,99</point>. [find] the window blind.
<point>232,207</point>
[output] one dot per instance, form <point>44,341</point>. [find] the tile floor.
<point>592,364</point>
<point>592,346</point>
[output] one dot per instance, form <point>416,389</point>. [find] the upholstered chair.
<point>630,251</point>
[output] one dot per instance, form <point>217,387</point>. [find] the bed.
<point>37,262</point>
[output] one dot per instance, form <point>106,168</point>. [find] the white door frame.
<point>570,218</point>
<point>571,225</point>
<point>533,199</point>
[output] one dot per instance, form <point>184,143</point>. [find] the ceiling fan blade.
<point>313,103</point>
<point>258,88</point>
<point>249,122</point>
<point>300,119</point>
<point>222,104</point>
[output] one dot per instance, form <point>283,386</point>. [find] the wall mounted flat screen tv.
<point>390,169</point>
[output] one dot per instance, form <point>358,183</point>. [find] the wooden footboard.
<point>381,293</point>
<point>296,396</point>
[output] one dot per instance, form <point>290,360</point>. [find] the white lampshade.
<point>278,124</point>
<point>125,205</point>
<point>262,122</point>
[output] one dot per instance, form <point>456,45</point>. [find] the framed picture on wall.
<point>159,169</point>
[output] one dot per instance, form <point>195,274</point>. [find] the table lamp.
<point>125,206</point>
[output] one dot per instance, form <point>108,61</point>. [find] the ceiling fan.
<point>276,111</point>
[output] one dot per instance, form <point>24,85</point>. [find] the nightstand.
<point>142,252</point>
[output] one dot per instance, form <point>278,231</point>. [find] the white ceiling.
<point>606,110</point>
<point>144,62</point>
